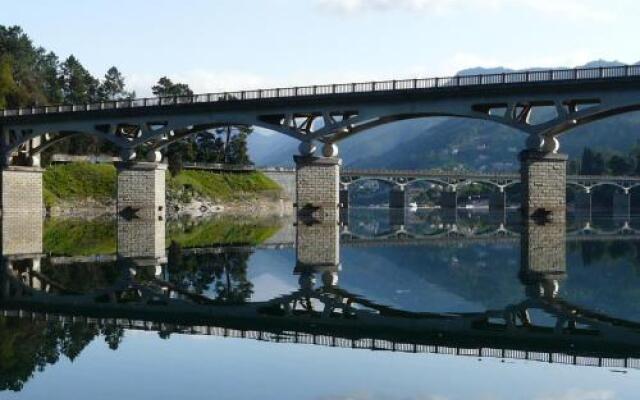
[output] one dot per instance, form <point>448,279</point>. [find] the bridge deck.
<point>453,84</point>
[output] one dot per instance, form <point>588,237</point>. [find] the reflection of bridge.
<point>144,294</point>
<point>328,315</point>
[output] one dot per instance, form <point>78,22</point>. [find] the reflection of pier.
<point>144,295</point>
<point>330,316</point>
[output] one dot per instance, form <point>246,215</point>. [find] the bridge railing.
<point>535,76</point>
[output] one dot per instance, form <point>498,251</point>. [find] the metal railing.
<point>511,78</point>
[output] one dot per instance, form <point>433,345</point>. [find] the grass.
<point>79,181</point>
<point>82,181</point>
<point>221,231</point>
<point>76,237</point>
<point>222,186</point>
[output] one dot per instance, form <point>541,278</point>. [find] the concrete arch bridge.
<point>541,104</point>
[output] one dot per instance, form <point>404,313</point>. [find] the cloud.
<point>565,9</point>
<point>580,394</point>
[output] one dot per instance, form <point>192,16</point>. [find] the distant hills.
<point>453,142</point>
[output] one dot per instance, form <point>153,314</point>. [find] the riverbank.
<point>77,237</point>
<point>89,190</point>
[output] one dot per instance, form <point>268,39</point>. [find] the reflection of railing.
<point>428,84</point>
<point>137,300</point>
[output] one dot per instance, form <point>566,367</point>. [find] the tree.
<point>166,88</point>
<point>619,165</point>
<point>113,86</point>
<point>7,84</point>
<point>78,85</point>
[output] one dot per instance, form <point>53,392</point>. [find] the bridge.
<point>450,182</point>
<point>320,312</point>
<point>541,104</point>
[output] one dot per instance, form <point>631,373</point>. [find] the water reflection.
<point>470,284</point>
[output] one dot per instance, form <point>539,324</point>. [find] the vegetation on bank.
<point>222,231</point>
<point>84,181</point>
<point>79,237</point>
<point>219,186</point>
<point>79,181</point>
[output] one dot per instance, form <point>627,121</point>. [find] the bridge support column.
<point>141,189</point>
<point>344,198</point>
<point>544,184</point>
<point>449,199</point>
<point>621,204</point>
<point>543,253</point>
<point>317,187</point>
<point>398,198</point>
<point>497,201</point>
<point>397,219</point>
<point>141,241</point>
<point>141,213</point>
<point>317,245</point>
<point>22,190</point>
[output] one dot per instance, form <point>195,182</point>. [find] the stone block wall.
<point>544,183</point>
<point>141,187</point>
<point>22,190</point>
<point>317,245</point>
<point>141,238</point>
<point>22,233</point>
<point>543,250</point>
<point>141,208</point>
<point>317,187</point>
<point>22,211</point>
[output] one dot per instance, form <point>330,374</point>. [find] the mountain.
<point>454,142</point>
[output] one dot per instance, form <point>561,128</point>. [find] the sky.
<point>220,45</point>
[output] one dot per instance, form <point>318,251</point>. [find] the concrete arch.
<point>368,121</point>
<point>387,181</point>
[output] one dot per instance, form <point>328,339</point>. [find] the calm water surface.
<point>423,305</point>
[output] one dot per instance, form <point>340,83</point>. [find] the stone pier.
<point>544,183</point>
<point>317,245</point>
<point>141,213</point>
<point>141,241</point>
<point>22,190</point>
<point>543,256</point>
<point>317,187</point>
<point>141,190</point>
<point>398,197</point>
